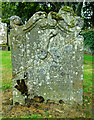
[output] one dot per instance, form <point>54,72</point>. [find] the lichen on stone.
<point>47,48</point>
<point>56,16</point>
<point>68,9</point>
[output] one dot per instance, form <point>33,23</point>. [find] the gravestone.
<point>3,36</point>
<point>47,57</point>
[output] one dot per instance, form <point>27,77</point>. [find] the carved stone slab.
<point>47,54</point>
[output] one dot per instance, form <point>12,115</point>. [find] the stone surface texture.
<point>49,50</point>
<point>3,33</point>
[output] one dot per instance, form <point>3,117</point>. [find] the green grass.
<point>87,74</point>
<point>6,59</point>
<point>5,69</point>
<point>88,58</point>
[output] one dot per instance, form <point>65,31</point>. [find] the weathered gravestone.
<point>3,36</point>
<point>47,54</point>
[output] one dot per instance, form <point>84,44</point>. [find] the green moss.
<point>3,45</point>
<point>56,16</point>
<point>72,21</point>
<point>72,24</point>
<point>68,9</point>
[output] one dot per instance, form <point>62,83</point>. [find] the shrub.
<point>88,41</point>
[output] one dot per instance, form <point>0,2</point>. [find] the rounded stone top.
<point>16,20</point>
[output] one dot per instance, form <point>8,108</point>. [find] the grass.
<point>32,116</point>
<point>87,74</point>
<point>88,58</point>
<point>6,70</point>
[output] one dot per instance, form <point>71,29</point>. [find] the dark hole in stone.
<point>41,51</point>
<point>18,82</point>
<point>62,73</point>
<point>21,86</point>
<point>58,56</point>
